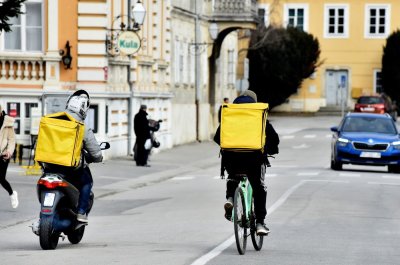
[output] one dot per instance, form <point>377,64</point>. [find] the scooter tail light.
<point>52,184</point>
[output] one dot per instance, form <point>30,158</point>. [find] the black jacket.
<point>141,126</point>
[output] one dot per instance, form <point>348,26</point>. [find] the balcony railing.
<point>21,68</point>
<point>235,10</point>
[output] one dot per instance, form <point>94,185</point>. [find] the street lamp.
<point>200,47</point>
<point>129,36</point>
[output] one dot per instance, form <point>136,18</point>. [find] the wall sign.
<point>128,42</point>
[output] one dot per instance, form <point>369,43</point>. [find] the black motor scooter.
<point>59,201</point>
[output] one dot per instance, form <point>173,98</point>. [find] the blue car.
<point>366,139</point>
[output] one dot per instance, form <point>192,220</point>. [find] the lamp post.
<point>127,42</point>
<point>200,47</point>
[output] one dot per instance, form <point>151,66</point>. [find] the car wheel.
<point>336,165</point>
<point>394,169</point>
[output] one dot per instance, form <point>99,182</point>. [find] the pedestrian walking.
<point>7,146</point>
<point>142,131</point>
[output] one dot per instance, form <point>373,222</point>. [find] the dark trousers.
<point>256,176</point>
<point>83,181</point>
<point>141,154</point>
<point>3,172</point>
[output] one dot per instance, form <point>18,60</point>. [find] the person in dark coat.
<point>142,131</point>
<point>226,101</point>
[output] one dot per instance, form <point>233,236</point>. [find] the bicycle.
<point>243,216</point>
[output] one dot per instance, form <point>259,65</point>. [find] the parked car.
<point>366,139</point>
<point>376,104</point>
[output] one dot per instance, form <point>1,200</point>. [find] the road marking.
<point>284,166</point>
<point>349,175</point>
<point>308,174</point>
<point>287,137</point>
<point>310,136</point>
<point>110,177</point>
<point>270,175</point>
<point>183,178</point>
<point>390,177</point>
<point>302,146</point>
<point>328,136</point>
<point>15,170</point>
<point>383,183</point>
<point>224,245</point>
<point>217,177</point>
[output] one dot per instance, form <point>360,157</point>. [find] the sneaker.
<point>228,206</point>
<point>82,218</point>
<point>14,199</point>
<point>262,229</point>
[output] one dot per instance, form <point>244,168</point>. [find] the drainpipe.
<point>130,99</point>
<point>197,71</point>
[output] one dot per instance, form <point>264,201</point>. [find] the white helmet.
<point>79,103</point>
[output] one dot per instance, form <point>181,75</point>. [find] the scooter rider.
<point>78,105</point>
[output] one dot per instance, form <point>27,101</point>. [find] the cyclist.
<point>253,164</point>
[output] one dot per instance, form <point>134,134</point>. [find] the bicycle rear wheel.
<point>239,221</point>
<point>256,239</point>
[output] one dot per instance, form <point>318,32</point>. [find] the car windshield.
<point>369,125</point>
<point>370,100</point>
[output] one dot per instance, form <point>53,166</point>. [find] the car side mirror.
<point>334,129</point>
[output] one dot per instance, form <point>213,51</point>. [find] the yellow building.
<point>351,35</point>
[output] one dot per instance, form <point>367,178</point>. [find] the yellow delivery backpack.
<point>243,126</point>
<point>60,140</point>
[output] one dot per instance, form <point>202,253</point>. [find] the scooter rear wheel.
<point>47,237</point>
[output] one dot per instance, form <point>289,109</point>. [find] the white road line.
<point>110,177</point>
<point>390,177</point>
<point>270,175</point>
<point>287,137</point>
<point>308,174</point>
<point>183,178</point>
<point>224,245</point>
<point>310,136</point>
<point>302,146</point>
<point>328,136</point>
<point>349,175</point>
<point>217,177</point>
<point>383,183</point>
<point>284,166</point>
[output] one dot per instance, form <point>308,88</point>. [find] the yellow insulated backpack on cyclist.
<point>243,127</point>
<point>60,140</point>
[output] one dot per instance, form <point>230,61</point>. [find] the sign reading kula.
<point>128,42</point>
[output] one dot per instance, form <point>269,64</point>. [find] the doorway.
<point>336,87</point>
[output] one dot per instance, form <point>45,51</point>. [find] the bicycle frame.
<point>245,185</point>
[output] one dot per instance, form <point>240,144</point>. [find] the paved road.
<point>172,212</point>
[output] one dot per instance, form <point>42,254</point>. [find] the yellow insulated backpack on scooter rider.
<point>60,140</point>
<point>243,127</point>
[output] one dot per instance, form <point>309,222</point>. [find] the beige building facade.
<point>351,36</point>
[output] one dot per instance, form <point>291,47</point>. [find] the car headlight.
<point>342,142</point>
<point>396,145</point>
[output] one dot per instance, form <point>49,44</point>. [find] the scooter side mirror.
<point>104,145</point>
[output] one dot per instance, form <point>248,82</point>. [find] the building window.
<point>92,118</point>
<point>27,29</point>
<point>296,16</point>
<point>336,21</point>
<point>378,81</point>
<point>231,67</point>
<point>377,21</point>
<point>176,61</point>
<point>14,110</point>
<point>28,116</point>
<point>263,14</point>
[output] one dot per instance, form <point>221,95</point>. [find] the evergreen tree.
<point>9,9</point>
<point>391,66</point>
<point>279,60</point>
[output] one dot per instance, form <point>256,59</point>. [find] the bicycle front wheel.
<point>256,239</point>
<point>239,221</point>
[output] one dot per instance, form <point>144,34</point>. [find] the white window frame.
<point>305,7</point>
<point>23,30</point>
<point>384,35</point>
<point>376,71</point>
<point>345,33</point>
<point>231,78</point>
<point>266,14</point>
